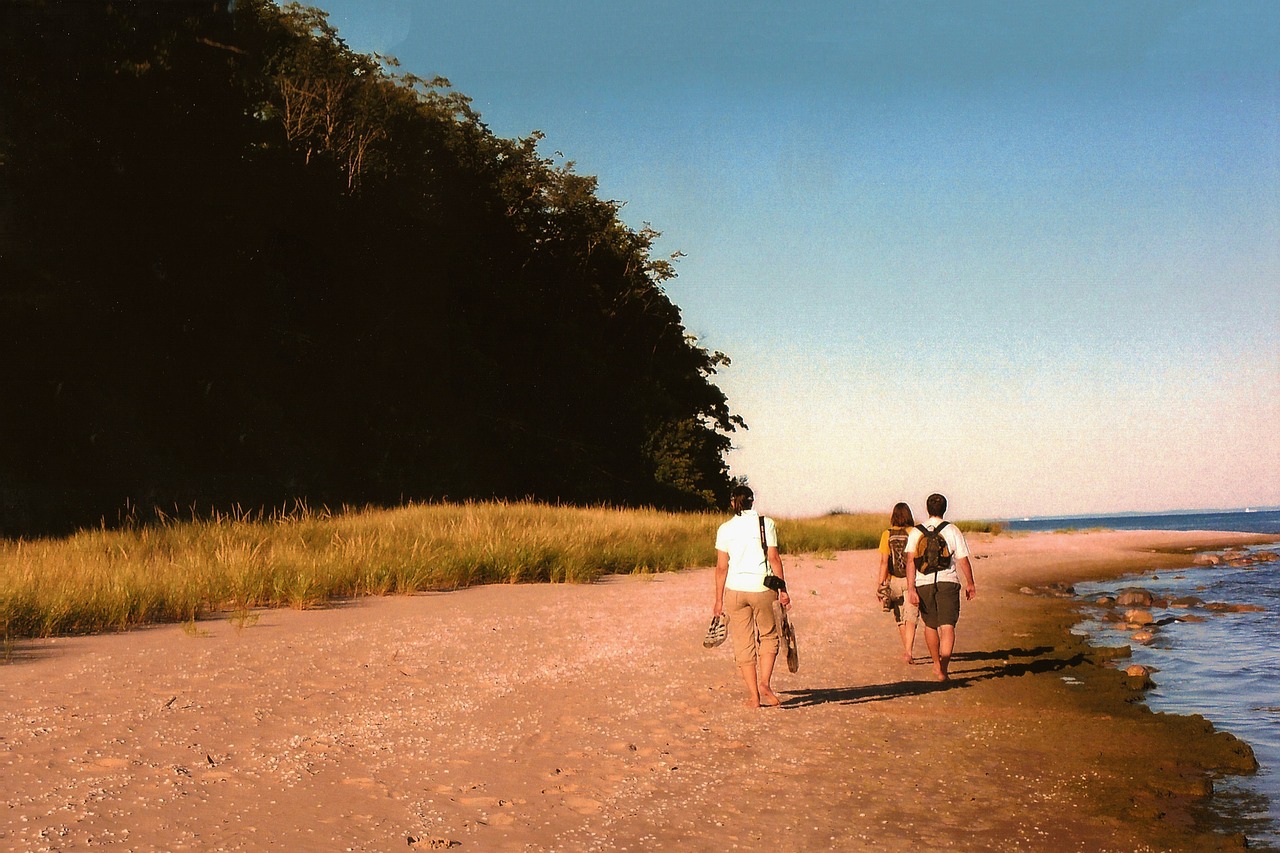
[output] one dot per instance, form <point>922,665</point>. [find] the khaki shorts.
<point>904,612</point>
<point>939,603</point>
<point>751,616</point>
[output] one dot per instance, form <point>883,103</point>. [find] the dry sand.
<point>558,717</point>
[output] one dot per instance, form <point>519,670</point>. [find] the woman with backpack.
<point>891,585</point>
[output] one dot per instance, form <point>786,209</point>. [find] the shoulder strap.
<point>764,546</point>
<point>940,526</point>
<point>924,530</point>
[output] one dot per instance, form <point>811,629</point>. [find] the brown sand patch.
<point>591,718</point>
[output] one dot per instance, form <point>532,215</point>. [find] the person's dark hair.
<point>741,498</point>
<point>901,516</point>
<point>937,505</point>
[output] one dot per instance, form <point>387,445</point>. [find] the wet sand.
<point>558,717</point>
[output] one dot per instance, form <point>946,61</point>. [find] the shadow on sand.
<point>26,651</point>
<point>1003,663</point>
<point>32,649</point>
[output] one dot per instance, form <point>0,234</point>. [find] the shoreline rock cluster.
<point>1140,606</point>
<point>1141,613</point>
<point>1134,607</point>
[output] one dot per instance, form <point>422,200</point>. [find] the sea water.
<point>1238,521</point>
<point>1226,668</point>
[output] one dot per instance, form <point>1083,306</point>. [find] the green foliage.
<point>175,571</point>
<point>995,528</point>
<point>247,265</point>
<point>178,571</point>
<point>843,532</point>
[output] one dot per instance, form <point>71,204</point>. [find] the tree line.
<point>242,265</point>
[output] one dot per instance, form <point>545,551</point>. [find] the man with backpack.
<point>937,561</point>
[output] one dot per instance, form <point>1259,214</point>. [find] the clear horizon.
<point>1021,254</point>
<point>1141,513</point>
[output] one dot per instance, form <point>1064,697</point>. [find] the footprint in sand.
<point>561,772</point>
<point>583,805</point>
<point>359,781</point>
<point>485,802</point>
<point>364,783</point>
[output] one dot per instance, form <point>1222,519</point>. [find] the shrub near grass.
<point>102,580</point>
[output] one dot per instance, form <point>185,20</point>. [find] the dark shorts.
<point>939,603</point>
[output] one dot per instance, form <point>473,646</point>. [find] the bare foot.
<point>907,657</point>
<point>939,674</point>
<point>768,697</point>
<point>750,703</point>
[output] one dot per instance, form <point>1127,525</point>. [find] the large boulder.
<point>1139,617</point>
<point>1139,678</point>
<point>1134,596</point>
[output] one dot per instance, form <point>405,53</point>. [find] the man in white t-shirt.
<point>934,571</point>
<point>746,552</point>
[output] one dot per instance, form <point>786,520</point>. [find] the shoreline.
<point>1200,670</point>
<point>1180,754</point>
<point>588,717</point>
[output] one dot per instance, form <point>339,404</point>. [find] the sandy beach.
<point>589,717</point>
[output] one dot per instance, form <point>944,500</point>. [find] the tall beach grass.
<point>101,580</point>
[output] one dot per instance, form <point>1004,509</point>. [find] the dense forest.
<point>243,265</point>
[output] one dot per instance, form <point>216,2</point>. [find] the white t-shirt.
<point>955,541</point>
<point>739,537</point>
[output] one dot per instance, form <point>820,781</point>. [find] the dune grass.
<point>101,580</point>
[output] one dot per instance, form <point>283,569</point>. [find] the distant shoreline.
<point>1141,513</point>
<point>1252,520</point>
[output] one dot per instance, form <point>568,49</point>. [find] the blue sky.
<point>1026,254</point>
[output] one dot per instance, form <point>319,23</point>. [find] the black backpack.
<point>898,551</point>
<point>936,556</point>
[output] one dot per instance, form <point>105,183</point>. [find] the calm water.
<point>1226,668</point>
<point>1260,521</point>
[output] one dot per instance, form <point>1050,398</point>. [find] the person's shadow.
<point>1004,663</point>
